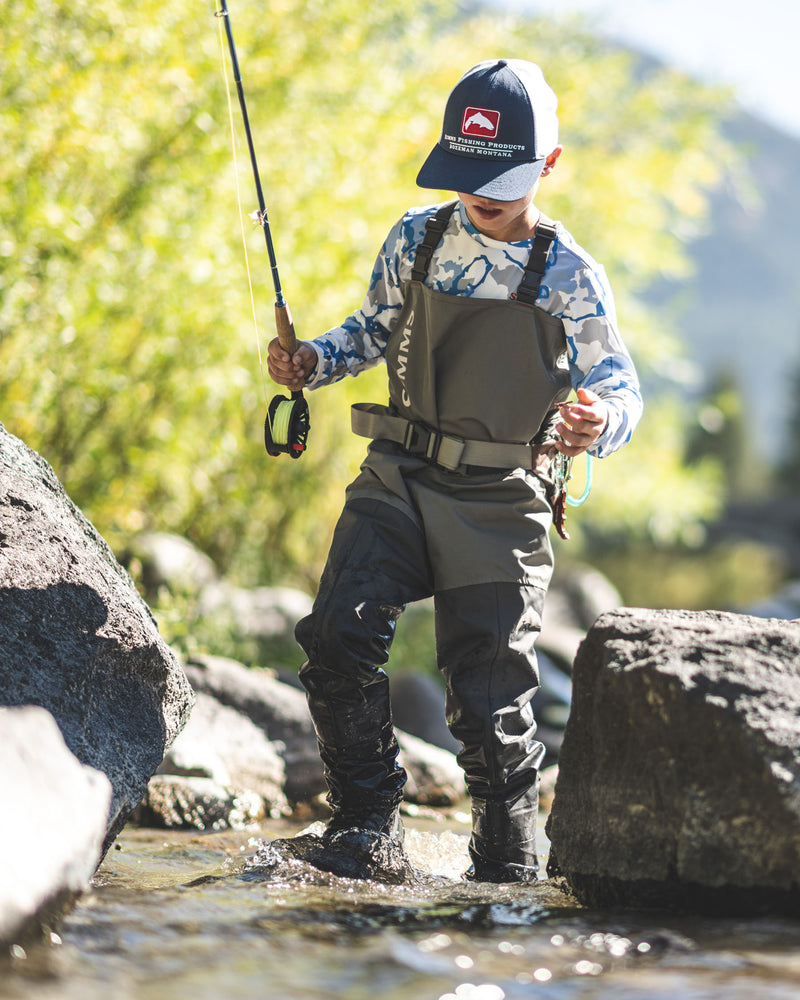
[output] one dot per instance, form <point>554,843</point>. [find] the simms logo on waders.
<point>402,358</point>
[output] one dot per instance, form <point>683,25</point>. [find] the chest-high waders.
<point>450,502</point>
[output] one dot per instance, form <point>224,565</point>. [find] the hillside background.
<point>738,314</point>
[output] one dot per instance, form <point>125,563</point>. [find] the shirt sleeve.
<point>360,342</point>
<point>598,357</point>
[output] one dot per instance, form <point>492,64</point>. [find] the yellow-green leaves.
<point>128,356</point>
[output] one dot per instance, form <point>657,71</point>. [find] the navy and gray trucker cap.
<point>500,125</point>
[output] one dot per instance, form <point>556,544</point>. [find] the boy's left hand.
<point>581,423</point>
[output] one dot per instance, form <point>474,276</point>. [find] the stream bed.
<point>183,916</point>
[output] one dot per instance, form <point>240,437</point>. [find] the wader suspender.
<point>434,228</point>
<point>528,291</point>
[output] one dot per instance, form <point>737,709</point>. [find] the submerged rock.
<point>679,774</point>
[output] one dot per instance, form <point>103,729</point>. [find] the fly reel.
<point>287,425</point>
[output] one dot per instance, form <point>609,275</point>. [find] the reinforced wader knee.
<point>373,570</point>
<point>485,639</point>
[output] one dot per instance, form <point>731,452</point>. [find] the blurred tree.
<point>721,431</point>
<point>789,469</point>
<point>128,356</point>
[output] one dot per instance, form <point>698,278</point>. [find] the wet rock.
<point>76,637</point>
<point>54,811</point>
<point>177,803</point>
<point>223,745</point>
<point>679,774</point>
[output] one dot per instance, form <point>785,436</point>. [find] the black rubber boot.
<point>503,842</point>
<point>365,786</point>
<point>371,573</point>
<point>485,639</point>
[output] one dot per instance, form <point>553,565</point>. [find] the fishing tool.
<point>287,424</point>
<point>562,474</point>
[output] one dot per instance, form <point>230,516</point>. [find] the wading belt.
<point>374,420</point>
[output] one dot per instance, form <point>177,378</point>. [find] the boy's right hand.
<point>291,370</point>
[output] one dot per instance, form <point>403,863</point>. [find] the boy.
<point>486,315</point>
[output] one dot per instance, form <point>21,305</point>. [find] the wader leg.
<point>485,635</point>
<point>376,565</point>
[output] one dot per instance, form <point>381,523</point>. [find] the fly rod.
<point>287,424</point>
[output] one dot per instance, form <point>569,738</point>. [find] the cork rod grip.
<point>283,321</point>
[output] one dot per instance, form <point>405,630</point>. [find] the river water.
<point>182,916</point>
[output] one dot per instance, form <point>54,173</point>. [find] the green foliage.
<point>128,356</point>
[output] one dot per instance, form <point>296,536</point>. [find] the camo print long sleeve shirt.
<point>466,262</point>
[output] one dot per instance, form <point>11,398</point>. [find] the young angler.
<point>486,315</point>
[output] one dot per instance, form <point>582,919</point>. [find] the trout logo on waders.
<point>402,358</point>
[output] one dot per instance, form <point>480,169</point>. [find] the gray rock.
<point>418,708</point>
<point>577,595</point>
<point>278,710</point>
<point>784,604</point>
<point>434,777</point>
<point>76,637</point>
<point>221,744</point>
<point>179,803</point>
<point>55,811</point>
<point>281,713</point>
<point>161,560</point>
<point>679,774</point>
<point>260,614</point>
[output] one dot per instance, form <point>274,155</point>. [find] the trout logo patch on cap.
<point>482,122</point>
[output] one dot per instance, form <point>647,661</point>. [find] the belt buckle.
<point>412,439</point>
<point>433,445</point>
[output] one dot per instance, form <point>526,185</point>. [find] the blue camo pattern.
<point>466,262</point>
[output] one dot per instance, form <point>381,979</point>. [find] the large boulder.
<point>55,812</point>
<point>77,639</point>
<point>679,774</point>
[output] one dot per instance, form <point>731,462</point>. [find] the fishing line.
<point>234,146</point>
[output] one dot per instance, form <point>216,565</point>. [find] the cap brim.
<point>493,179</point>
